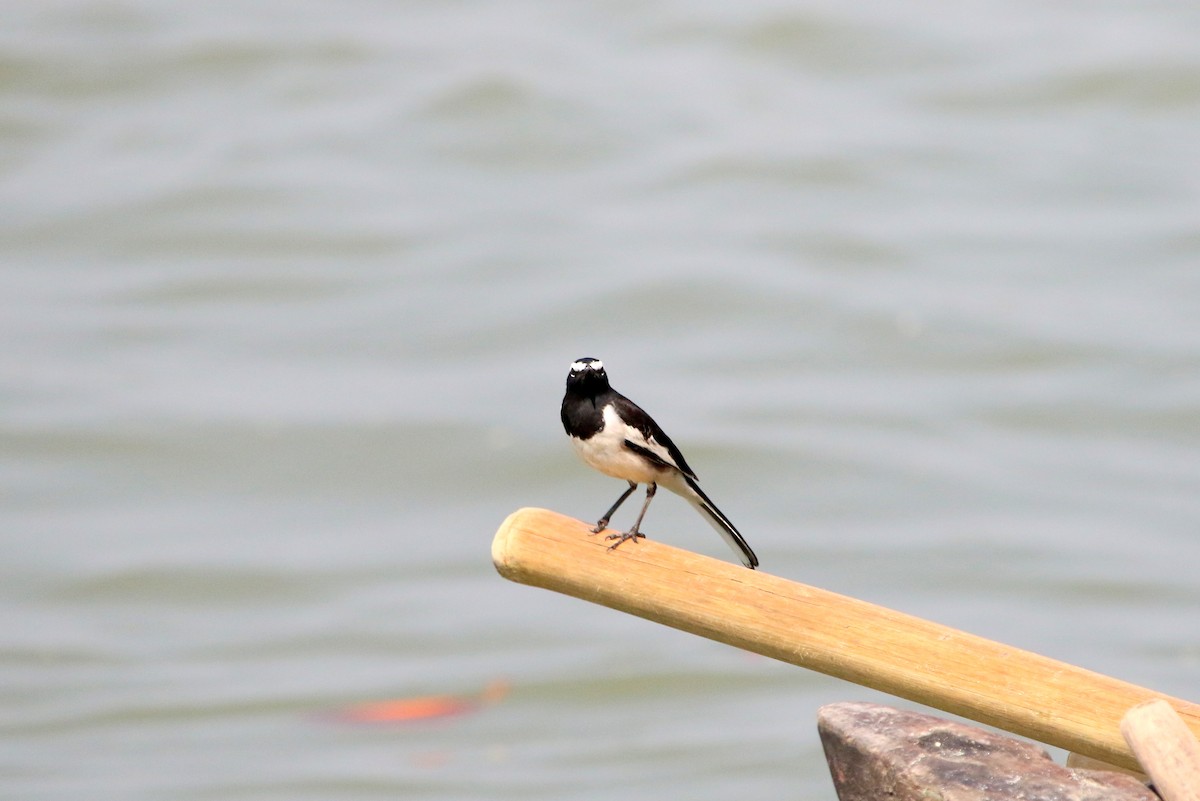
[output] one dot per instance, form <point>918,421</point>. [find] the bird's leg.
<point>633,533</point>
<point>602,523</point>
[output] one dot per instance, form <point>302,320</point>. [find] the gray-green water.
<point>288,293</point>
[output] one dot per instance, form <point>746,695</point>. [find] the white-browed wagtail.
<point>613,435</point>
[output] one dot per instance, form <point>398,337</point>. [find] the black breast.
<point>582,417</point>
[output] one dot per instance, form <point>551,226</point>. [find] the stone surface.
<point>876,752</point>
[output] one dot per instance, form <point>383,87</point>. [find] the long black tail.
<point>721,523</point>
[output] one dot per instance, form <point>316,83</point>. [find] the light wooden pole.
<point>935,665</point>
<point>1166,748</point>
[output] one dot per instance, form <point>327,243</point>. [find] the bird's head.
<point>587,376</point>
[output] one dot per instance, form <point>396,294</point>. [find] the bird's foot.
<point>632,534</point>
<point>601,524</point>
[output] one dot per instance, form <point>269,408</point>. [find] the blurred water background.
<point>288,293</point>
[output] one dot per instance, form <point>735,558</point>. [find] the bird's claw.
<point>628,535</point>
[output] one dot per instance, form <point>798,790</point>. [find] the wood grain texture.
<point>1165,747</point>
<point>935,665</point>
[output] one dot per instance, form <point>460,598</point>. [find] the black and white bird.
<point>613,435</point>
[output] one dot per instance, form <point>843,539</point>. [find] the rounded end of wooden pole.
<point>503,556</point>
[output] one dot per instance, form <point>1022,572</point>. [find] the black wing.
<point>656,444</point>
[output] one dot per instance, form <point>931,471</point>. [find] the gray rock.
<point>876,752</point>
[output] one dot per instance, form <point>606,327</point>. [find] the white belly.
<point>606,452</point>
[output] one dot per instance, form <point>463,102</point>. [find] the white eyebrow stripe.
<point>595,364</point>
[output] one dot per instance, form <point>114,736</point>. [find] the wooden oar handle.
<point>935,665</point>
